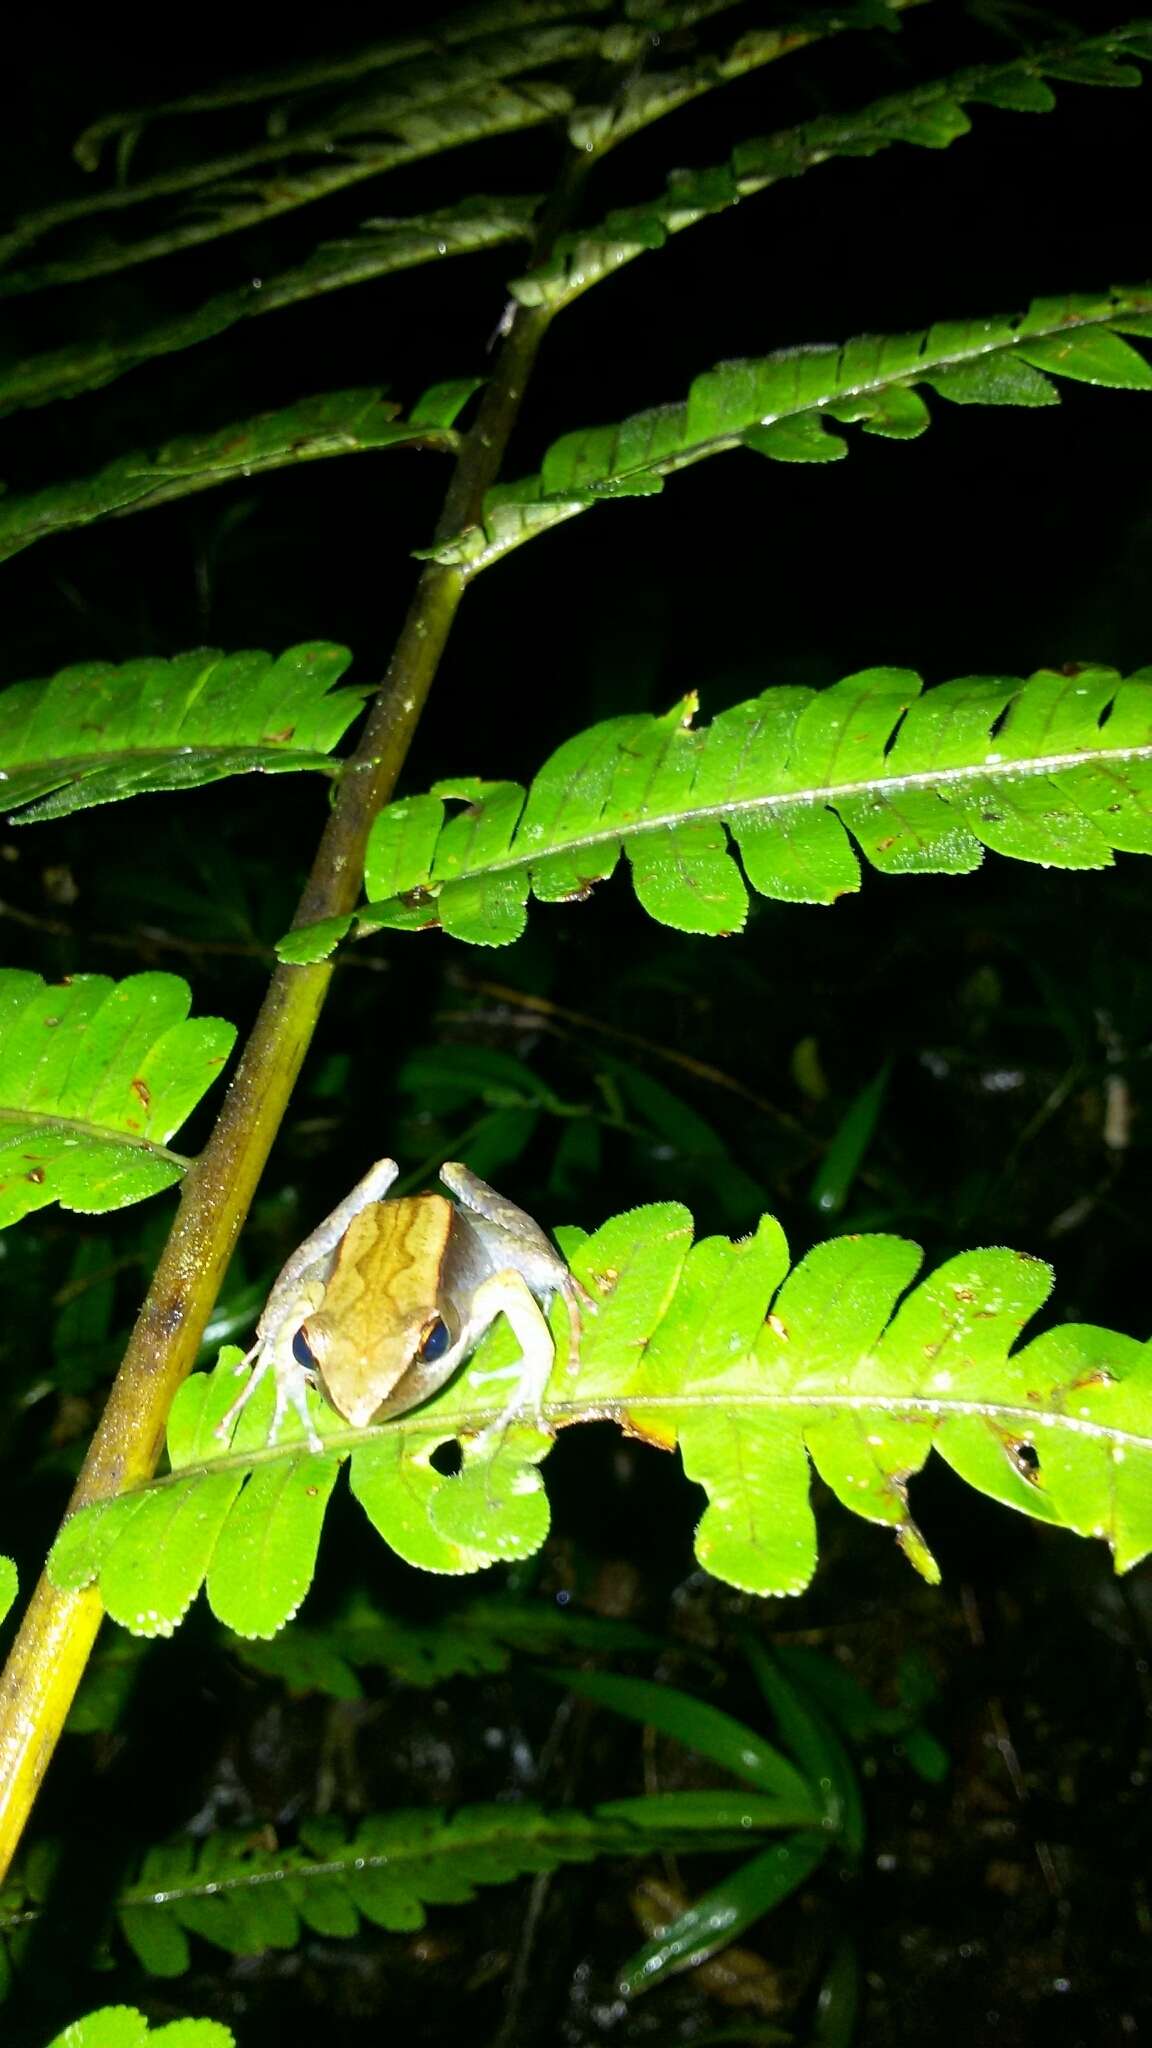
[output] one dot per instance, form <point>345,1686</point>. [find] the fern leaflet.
<point>95,1076</point>
<point>779,406</point>
<point>1056,769</point>
<point>751,1370</point>
<point>335,423</point>
<point>98,733</point>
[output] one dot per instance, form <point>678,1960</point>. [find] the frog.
<point>386,1298</point>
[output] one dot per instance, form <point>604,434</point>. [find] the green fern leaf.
<point>737,403</point>
<point>1056,769</point>
<point>121,2026</point>
<point>489,17</point>
<point>97,733</point>
<point>95,1076</point>
<point>476,1640</point>
<point>751,1370</point>
<point>428,106</point>
<point>378,248</point>
<point>245,1898</point>
<point>649,93</point>
<point>336,423</point>
<point>929,116</point>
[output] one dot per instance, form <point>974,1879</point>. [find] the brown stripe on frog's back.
<point>393,1252</point>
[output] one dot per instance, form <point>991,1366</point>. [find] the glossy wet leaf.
<point>756,1373</point>
<point>122,2026</point>
<point>841,1163</point>
<point>929,116</point>
<point>312,430</point>
<point>95,1076</point>
<point>1055,769</point>
<point>723,1913</point>
<point>265,1559</point>
<point>778,406</point>
<point>243,1897</point>
<point>731,1744</point>
<point>812,1740</point>
<point>397,112</point>
<point>375,249</point>
<point>98,733</point>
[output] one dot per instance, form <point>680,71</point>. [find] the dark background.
<point>1013,1005</point>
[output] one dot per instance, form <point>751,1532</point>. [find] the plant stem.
<point>58,1630</point>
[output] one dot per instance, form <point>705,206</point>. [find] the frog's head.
<point>384,1327</point>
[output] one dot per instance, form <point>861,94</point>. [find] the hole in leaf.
<point>1026,1459</point>
<point>894,735</point>
<point>448,1460</point>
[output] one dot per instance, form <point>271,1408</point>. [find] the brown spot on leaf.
<point>648,1430</point>
<point>36,1175</point>
<point>141,1089</point>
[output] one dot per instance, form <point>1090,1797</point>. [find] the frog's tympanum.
<point>383,1302</point>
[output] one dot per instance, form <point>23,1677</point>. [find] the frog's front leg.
<point>515,1236</point>
<point>274,1351</point>
<point>298,1292</point>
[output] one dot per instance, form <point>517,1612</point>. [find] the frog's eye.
<point>302,1351</point>
<point>435,1341</point>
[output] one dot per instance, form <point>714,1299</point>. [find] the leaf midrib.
<point>890,786</point>
<point>622,1408</point>
<point>1125,305</point>
<point>602,1838</point>
<point>71,766</point>
<point>100,1134</point>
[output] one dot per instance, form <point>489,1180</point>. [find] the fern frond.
<point>470,25</point>
<point>651,93</point>
<point>751,1370</point>
<point>379,248</point>
<point>434,105</point>
<point>779,405</point>
<point>334,423</point>
<point>245,1898</point>
<point>931,116</point>
<point>98,733</point>
<point>477,1639</point>
<point>1056,769</point>
<point>95,1076</point>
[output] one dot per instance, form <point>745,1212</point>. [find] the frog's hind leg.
<point>508,1293</point>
